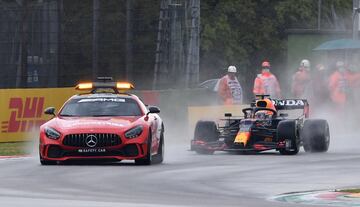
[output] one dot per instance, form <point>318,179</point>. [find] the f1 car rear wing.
<point>289,104</point>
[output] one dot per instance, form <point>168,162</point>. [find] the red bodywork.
<point>102,127</point>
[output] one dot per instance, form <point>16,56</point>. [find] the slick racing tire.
<point>287,130</point>
<point>46,162</point>
<point>315,135</point>
<point>206,131</point>
<point>159,157</point>
<point>148,159</point>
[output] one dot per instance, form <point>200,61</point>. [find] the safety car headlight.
<point>134,132</point>
<point>52,133</point>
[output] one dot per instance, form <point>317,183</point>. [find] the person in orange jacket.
<point>266,83</point>
<point>229,89</point>
<point>321,93</point>
<point>340,84</point>
<point>301,85</point>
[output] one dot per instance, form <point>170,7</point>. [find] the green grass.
<point>14,148</point>
<point>350,190</point>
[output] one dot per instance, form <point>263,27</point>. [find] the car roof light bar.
<point>117,87</point>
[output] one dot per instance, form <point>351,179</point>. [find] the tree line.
<point>241,33</point>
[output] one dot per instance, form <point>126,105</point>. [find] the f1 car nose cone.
<point>91,140</point>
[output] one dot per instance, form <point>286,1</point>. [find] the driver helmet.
<point>265,103</point>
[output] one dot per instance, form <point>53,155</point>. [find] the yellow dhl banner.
<point>22,111</point>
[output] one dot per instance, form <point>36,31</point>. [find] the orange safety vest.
<point>339,86</point>
<point>267,84</point>
<point>230,90</point>
<point>301,83</point>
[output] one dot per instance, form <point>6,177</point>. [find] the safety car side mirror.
<point>153,110</point>
<point>50,111</point>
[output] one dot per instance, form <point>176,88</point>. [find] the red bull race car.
<point>263,127</point>
<point>103,123</point>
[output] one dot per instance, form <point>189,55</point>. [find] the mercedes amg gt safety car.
<point>105,123</point>
<point>263,127</point>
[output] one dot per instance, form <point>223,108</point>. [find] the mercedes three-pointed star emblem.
<point>91,140</point>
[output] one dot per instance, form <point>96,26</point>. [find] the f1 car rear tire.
<point>287,130</point>
<point>206,131</point>
<point>315,135</point>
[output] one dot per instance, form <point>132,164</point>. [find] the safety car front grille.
<point>92,140</point>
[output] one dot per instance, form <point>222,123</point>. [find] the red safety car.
<point>105,123</point>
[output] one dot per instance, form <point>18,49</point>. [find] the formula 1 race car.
<point>263,128</point>
<point>105,123</point>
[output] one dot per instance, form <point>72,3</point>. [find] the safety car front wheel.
<point>46,162</point>
<point>159,157</point>
<point>148,159</point>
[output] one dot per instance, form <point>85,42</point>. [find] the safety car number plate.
<point>91,150</point>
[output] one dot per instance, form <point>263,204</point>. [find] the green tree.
<point>244,33</point>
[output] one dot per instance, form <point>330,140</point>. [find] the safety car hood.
<point>89,123</point>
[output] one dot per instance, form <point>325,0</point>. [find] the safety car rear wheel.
<point>315,135</point>
<point>287,132</point>
<point>206,131</point>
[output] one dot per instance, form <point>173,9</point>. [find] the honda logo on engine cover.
<point>91,140</point>
<point>295,102</point>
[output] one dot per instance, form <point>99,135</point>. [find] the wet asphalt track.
<point>185,179</point>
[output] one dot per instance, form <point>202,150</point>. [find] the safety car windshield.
<point>101,106</point>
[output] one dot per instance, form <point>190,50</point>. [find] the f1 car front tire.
<point>206,131</point>
<point>315,135</point>
<point>287,130</point>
